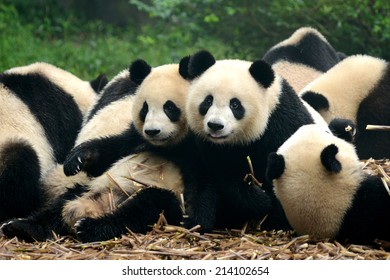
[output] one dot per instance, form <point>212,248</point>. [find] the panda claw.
<point>79,159</point>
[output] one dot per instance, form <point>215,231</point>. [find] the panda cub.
<point>323,190</point>
<point>238,110</point>
<point>41,111</point>
<point>150,102</point>
<point>303,57</point>
<point>358,88</point>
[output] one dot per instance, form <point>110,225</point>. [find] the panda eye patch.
<point>205,105</point>
<point>172,111</point>
<point>237,108</point>
<point>144,111</point>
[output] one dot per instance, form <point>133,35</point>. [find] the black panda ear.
<point>99,83</point>
<point>275,166</point>
<point>199,63</point>
<point>316,100</point>
<point>343,128</point>
<point>183,68</point>
<point>328,158</point>
<point>262,72</point>
<point>139,70</point>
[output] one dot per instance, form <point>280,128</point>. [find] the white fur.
<point>346,84</point>
<point>19,124</point>
<point>314,199</point>
<point>225,80</point>
<point>297,36</point>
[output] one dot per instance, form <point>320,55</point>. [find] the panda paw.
<point>25,229</point>
<point>92,230</point>
<point>78,160</point>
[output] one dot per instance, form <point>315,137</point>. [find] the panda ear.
<point>99,83</point>
<point>262,72</point>
<point>316,100</point>
<point>139,70</point>
<point>328,158</point>
<point>275,166</point>
<point>199,63</point>
<point>343,128</point>
<point>183,68</point>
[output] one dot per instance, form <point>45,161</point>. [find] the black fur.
<point>328,158</point>
<point>374,110</point>
<point>199,63</point>
<point>172,111</point>
<point>369,215</point>
<point>96,156</point>
<point>275,166</point>
<point>40,225</point>
<point>205,105</point>
<point>344,129</point>
<point>214,189</point>
<point>144,111</point>
<point>56,111</point>
<point>139,70</point>
<point>99,83</point>
<point>311,51</point>
<point>262,72</point>
<point>20,188</point>
<point>138,214</point>
<point>316,100</point>
<point>117,90</point>
<point>237,108</point>
<point>183,68</point>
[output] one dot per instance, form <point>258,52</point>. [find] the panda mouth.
<point>217,136</point>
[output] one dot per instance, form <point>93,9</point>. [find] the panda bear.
<point>41,111</point>
<point>358,88</point>
<point>324,191</point>
<point>156,119</point>
<point>237,110</point>
<point>303,57</point>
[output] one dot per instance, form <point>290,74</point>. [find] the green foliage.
<point>162,31</point>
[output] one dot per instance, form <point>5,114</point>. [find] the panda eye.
<point>172,111</point>
<point>235,104</point>
<point>237,108</point>
<point>208,100</point>
<point>144,111</point>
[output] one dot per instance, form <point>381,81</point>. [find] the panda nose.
<point>152,132</point>
<point>215,126</point>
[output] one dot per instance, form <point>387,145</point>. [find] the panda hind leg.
<point>138,214</point>
<point>40,225</point>
<point>21,192</point>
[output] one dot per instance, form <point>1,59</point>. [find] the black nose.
<point>215,126</point>
<point>152,132</point>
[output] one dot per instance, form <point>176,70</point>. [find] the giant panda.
<point>324,191</point>
<point>302,57</point>
<point>237,110</point>
<point>41,111</point>
<point>156,122</point>
<point>358,88</point>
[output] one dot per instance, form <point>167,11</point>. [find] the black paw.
<point>91,230</point>
<point>26,230</point>
<point>78,159</point>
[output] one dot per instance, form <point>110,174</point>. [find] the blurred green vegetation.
<point>88,37</point>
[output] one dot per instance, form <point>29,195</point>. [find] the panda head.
<point>158,107</point>
<point>230,101</point>
<point>315,176</point>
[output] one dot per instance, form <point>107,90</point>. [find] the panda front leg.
<point>96,156</point>
<point>138,214</point>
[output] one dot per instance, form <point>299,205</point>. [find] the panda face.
<point>226,105</point>
<point>315,177</point>
<point>158,109</point>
